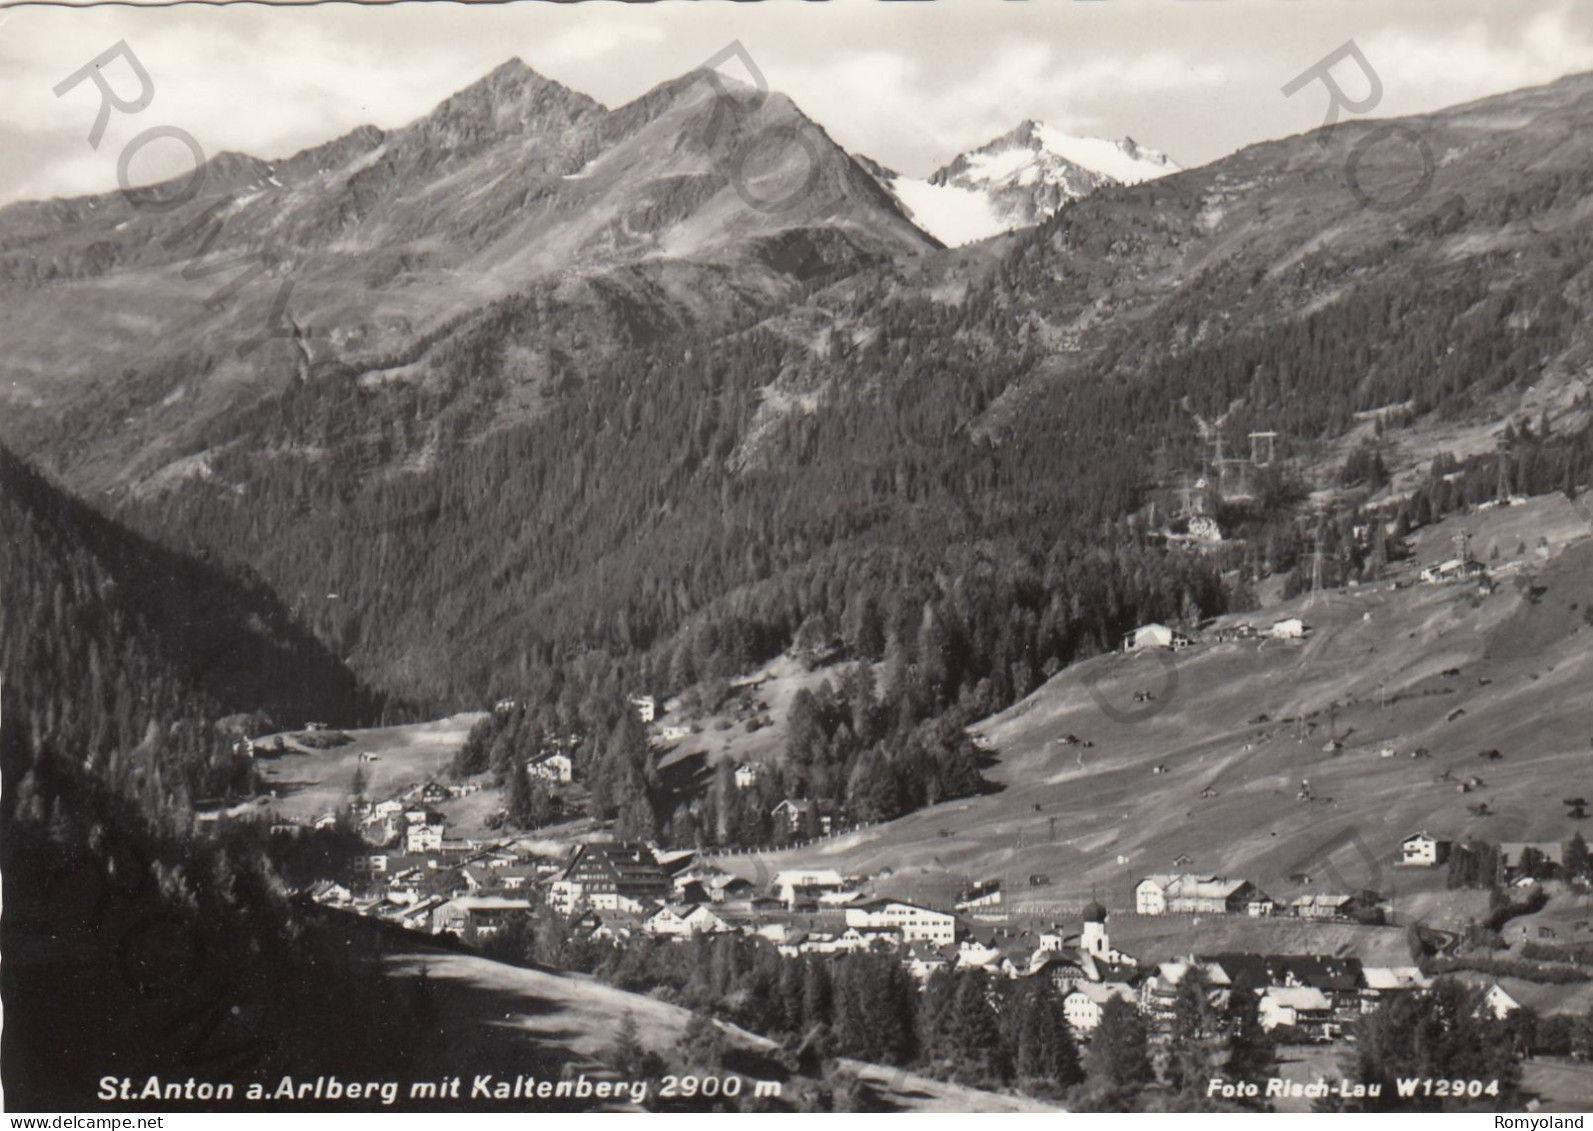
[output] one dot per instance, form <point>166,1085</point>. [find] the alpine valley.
<point>795,505</point>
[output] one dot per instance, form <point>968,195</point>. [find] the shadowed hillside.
<point>113,604</point>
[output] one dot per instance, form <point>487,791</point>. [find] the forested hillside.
<point>122,651</point>
<point>938,461</point>
<point>130,946</point>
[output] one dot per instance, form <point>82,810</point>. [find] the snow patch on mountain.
<point>1016,180</point>
<point>952,214</point>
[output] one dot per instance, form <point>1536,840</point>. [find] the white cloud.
<point>602,35</point>
<point>865,97</point>
<point>1468,60</point>
<point>267,89</point>
<point>908,84</point>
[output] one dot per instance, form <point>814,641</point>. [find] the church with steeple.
<point>1095,943</point>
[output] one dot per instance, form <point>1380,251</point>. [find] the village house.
<point>404,888</point>
<point>922,960</point>
<point>1158,994</point>
<point>833,899</point>
<point>477,917</point>
<point>805,818</point>
<point>984,895</point>
<point>616,932</point>
<point>703,881</point>
<point>1499,1002</point>
<point>677,863</point>
<point>1150,894</point>
<point>696,874</point>
<point>1082,1005</point>
<point>1339,979</point>
<point>808,883</point>
<point>731,889</point>
<point>1128,973</point>
<point>1454,569</point>
<point>1065,968</point>
<point>553,766</point>
<point>1300,1007</point>
<point>776,931</point>
<point>646,707</point>
<point>1419,850</point>
<point>668,921</point>
<point>1199,895</point>
<point>1055,938</point>
<point>978,951</point>
<point>420,915</point>
<point>703,921</point>
<point>484,877</point>
<point>914,923</point>
<point>1289,628</point>
<point>328,891</point>
<point>1379,983</point>
<point>433,793</point>
<point>425,834</point>
<point>856,939</point>
<point>798,942</point>
<point>1324,905</point>
<point>683,921</point>
<point>746,776</point>
<point>1512,851</point>
<point>1000,950</point>
<point>1149,636</point>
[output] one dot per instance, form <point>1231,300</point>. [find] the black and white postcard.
<point>841,556</point>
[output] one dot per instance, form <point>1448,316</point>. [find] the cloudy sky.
<point>908,83</point>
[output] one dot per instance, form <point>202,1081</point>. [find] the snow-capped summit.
<point>1020,178</point>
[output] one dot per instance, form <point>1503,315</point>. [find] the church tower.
<point>1094,941</point>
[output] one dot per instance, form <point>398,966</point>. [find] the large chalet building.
<point>916,924</point>
<point>611,877</point>
<point>1199,895</point>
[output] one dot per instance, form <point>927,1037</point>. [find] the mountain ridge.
<point>513,185</point>
<point>638,422</point>
<point>1017,180</point>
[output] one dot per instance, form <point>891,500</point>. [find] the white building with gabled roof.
<point>1148,636</point>
<point>552,767</point>
<point>1289,628</point>
<point>1083,1004</point>
<point>915,923</point>
<point>1421,850</point>
<point>793,882</point>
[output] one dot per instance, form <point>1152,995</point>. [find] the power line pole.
<point>1316,561</point>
